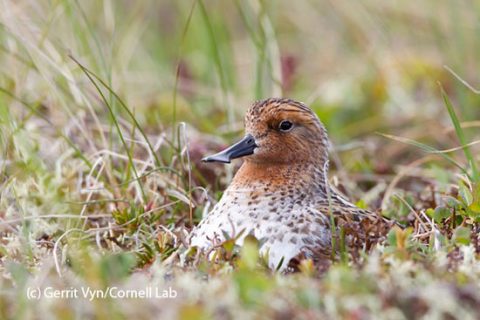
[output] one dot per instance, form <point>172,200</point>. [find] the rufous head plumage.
<point>279,131</point>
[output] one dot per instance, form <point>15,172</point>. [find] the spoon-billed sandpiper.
<point>281,194</point>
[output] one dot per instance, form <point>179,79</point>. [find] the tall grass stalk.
<point>461,137</point>
<point>90,75</point>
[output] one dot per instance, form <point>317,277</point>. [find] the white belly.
<point>283,230</point>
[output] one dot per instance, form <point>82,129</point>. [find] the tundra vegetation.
<point>106,109</point>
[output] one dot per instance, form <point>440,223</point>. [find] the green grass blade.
<point>115,122</point>
<point>427,149</point>
<point>217,61</point>
<point>461,135</point>
<point>179,55</point>
<point>123,105</point>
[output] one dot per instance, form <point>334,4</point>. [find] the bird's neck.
<point>279,177</point>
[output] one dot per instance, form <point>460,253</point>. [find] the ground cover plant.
<point>106,109</point>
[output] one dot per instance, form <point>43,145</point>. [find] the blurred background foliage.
<point>94,167</point>
<point>364,68</point>
<point>361,66</point>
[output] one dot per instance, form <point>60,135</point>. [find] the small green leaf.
<point>462,235</point>
<point>465,194</point>
<point>475,208</point>
<point>441,213</point>
<point>249,255</point>
<point>229,245</point>
<point>430,212</point>
<point>392,238</point>
<point>453,203</point>
<point>361,204</point>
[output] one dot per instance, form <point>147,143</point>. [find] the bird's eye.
<point>285,126</point>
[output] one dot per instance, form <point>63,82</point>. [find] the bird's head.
<point>279,131</point>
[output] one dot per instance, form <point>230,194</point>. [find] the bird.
<point>281,194</point>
